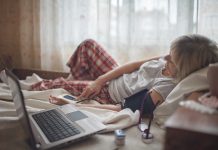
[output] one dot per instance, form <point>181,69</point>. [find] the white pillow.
<point>194,82</point>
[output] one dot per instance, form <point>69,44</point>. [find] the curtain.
<point>29,31</point>
<point>208,18</point>
<point>128,29</point>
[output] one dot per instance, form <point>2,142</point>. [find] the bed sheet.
<point>12,134</point>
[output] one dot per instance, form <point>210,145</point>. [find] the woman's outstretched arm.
<point>101,106</point>
<point>95,87</point>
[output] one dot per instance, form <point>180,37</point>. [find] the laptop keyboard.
<point>55,126</point>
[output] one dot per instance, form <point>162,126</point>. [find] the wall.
<point>19,32</point>
<point>9,30</point>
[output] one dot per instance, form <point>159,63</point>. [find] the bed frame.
<point>7,62</point>
<point>23,73</point>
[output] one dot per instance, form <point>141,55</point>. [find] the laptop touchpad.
<point>76,115</point>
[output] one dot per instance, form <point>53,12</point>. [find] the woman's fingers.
<point>93,94</point>
<point>91,90</point>
<point>86,93</point>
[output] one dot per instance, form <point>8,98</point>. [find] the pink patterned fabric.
<point>88,62</point>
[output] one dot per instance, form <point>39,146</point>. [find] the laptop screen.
<point>19,103</point>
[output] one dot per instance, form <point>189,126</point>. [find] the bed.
<point>12,134</point>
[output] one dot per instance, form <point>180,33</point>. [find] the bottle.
<point>119,137</point>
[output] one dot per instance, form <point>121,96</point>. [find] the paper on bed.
<point>5,93</point>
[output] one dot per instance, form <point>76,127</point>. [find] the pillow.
<point>194,82</point>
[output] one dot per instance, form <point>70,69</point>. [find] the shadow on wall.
<point>5,62</point>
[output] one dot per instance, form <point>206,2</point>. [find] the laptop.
<point>55,127</point>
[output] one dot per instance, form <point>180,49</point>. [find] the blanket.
<point>38,100</point>
<point>11,131</point>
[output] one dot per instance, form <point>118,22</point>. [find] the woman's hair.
<point>193,52</point>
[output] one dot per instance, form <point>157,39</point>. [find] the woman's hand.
<point>92,89</point>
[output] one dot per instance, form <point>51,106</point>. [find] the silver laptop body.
<point>44,130</point>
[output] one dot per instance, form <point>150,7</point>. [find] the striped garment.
<point>88,62</point>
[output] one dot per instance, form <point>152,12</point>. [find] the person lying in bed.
<point>96,75</point>
<point>113,84</point>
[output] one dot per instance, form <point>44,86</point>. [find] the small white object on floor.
<point>119,137</point>
<point>147,139</point>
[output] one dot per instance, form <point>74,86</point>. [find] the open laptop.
<point>55,127</point>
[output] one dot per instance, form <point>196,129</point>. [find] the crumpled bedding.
<point>38,100</point>
<point>196,81</point>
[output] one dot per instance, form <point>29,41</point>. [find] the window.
<point>127,29</point>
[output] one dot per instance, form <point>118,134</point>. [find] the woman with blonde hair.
<point>188,54</point>
<point>95,74</point>
<point>193,52</point>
